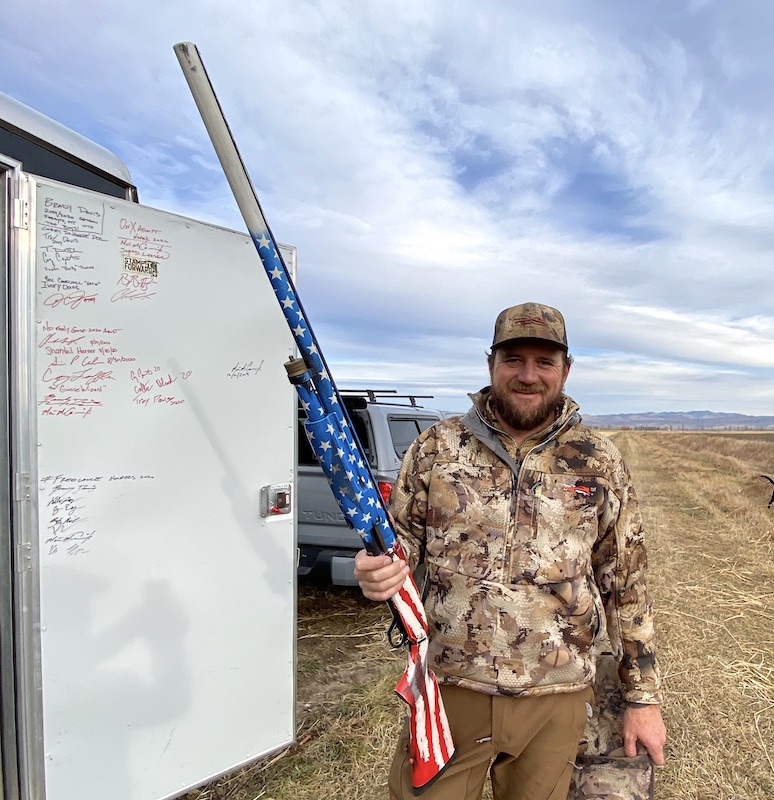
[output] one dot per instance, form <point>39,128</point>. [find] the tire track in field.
<point>711,576</point>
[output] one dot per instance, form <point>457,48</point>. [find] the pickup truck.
<point>386,424</point>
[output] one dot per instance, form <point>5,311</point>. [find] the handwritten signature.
<point>76,540</point>
<point>59,255</point>
<point>72,300</point>
<point>133,287</point>
<point>140,247</point>
<point>68,406</point>
<point>87,378</point>
<point>244,370</point>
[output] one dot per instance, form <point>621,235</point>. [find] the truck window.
<point>306,456</point>
<point>404,430</point>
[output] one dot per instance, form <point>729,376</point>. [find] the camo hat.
<point>530,321</point>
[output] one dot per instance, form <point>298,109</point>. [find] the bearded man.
<point>529,532</point>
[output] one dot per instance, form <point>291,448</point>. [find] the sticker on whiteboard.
<point>141,266</point>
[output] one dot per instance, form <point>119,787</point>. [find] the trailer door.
<point>9,176</point>
<point>152,466</point>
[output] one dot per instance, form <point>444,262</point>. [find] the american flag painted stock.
<point>334,442</point>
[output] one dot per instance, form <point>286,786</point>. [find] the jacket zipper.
<point>507,570</point>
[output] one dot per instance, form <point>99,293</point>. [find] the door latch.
<point>275,499</point>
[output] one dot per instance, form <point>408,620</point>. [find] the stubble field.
<point>710,542</point>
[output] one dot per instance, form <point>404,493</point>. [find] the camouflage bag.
<point>612,777</point>
<point>603,771</point>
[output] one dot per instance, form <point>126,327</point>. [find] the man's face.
<point>527,381</point>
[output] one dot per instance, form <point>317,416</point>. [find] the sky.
<point>435,161</point>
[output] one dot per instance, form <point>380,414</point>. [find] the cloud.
<point>436,162</point>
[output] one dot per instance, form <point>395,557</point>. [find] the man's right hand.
<point>379,576</point>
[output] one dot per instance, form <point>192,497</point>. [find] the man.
<point>528,527</point>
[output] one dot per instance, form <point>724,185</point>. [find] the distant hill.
<point>681,420</point>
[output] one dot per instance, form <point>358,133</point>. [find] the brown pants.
<point>530,743</point>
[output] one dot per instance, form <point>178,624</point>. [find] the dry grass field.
<point>711,538</point>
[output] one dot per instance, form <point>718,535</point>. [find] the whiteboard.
<point>167,602</point>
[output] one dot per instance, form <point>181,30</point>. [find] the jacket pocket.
<point>564,529</point>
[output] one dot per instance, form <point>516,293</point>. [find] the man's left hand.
<point>644,724</point>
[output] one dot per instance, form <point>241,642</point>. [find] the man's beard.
<point>505,406</point>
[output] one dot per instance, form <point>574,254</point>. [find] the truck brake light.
<point>385,490</point>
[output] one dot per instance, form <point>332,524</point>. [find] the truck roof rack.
<point>385,396</point>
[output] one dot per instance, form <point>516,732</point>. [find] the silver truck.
<point>386,424</point>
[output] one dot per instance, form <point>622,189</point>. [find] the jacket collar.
<point>482,421</point>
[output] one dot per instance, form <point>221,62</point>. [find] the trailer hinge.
<point>20,215</point>
<point>21,494</point>
<point>21,488</point>
<point>23,557</point>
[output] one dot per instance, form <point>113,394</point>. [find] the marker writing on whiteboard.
<point>244,370</point>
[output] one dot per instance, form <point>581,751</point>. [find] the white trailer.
<point>147,510</point>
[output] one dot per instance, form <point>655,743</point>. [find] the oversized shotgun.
<point>335,443</point>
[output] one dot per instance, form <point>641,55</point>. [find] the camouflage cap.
<point>530,321</point>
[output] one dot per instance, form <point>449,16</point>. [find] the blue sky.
<point>435,162</point>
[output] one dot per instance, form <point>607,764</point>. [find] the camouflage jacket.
<point>534,556</point>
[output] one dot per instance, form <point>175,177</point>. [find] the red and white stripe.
<point>431,743</point>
